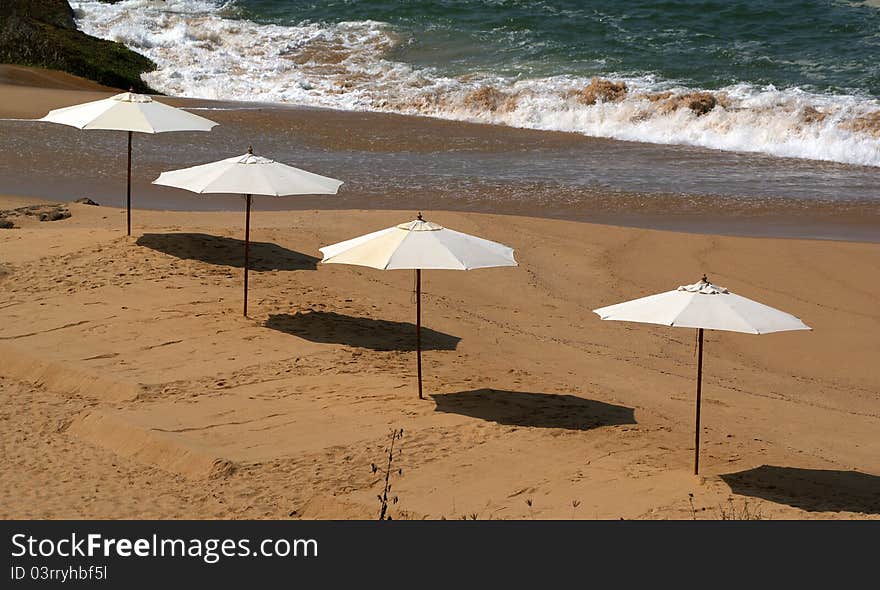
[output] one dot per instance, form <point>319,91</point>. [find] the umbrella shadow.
<point>539,410</point>
<point>814,490</point>
<point>223,251</point>
<point>334,328</point>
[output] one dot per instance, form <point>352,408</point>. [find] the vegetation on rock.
<point>42,33</point>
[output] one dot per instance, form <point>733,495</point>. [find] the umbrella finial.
<point>251,150</point>
<point>419,216</point>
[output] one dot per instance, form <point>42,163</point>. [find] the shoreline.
<point>13,201</point>
<point>392,161</point>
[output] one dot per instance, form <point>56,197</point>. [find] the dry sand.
<point>131,387</point>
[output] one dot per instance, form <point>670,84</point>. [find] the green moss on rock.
<point>42,33</point>
<point>53,12</point>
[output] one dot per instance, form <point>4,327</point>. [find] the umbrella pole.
<point>247,239</point>
<point>128,185</point>
<point>699,392</point>
<point>419,327</point>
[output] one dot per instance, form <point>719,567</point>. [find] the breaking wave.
<point>204,51</point>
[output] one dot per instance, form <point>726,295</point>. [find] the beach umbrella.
<point>131,112</point>
<point>419,245</point>
<point>249,175</point>
<point>703,306</point>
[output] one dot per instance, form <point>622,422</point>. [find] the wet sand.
<point>132,387</point>
<point>415,163</point>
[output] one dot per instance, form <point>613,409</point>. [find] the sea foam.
<point>202,51</point>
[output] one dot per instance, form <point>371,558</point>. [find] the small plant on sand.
<point>396,435</point>
<point>730,511</point>
<point>693,508</point>
<point>574,507</point>
<point>529,504</point>
<point>742,512</point>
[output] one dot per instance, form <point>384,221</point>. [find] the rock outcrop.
<point>49,212</point>
<point>42,33</point>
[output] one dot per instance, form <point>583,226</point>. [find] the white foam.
<point>201,54</point>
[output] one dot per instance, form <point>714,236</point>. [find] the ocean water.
<point>788,78</point>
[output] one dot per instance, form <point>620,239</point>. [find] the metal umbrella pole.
<point>128,184</point>
<point>419,327</point>
<point>699,394</point>
<point>247,239</point>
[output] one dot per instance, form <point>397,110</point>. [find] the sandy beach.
<point>131,387</point>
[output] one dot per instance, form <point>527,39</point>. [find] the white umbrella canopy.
<point>703,306</point>
<point>131,112</point>
<point>419,245</point>
<point>249,175</point>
